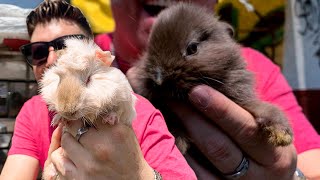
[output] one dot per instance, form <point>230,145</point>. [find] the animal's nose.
<point>158,76</point>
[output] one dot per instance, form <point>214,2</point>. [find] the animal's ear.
<point>228,28</point>
<point>105,57</point>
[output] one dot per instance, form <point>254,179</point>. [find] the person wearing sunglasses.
<point>144,151</point>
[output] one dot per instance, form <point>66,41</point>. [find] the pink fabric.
<point>104,40</point>
<point>33,133</point>
<point>272,87</point>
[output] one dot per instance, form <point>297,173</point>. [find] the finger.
<point>201,171</point>
<point>210,140</point>
<point>55,143</point>
<point>63,165</point>
<point>74,150</point>
<point>50,172</point>
<point>239,124</point>
<point>101,142</point>
<point>220,150</point>
<point>55,139</point>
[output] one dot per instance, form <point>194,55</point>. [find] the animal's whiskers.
<point>212,79</point>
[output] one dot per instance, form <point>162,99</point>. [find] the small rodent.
<point>81,85</point>
<point>189,46</point>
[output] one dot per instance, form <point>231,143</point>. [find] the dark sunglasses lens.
<point>39,53</point>
<point>59,44</point>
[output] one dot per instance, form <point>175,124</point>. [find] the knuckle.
<point>91,167</point>
<point>64,139</point>
<point>287,163</point>
<point>217,150</point>
<point>102,151</point>
<point>246,133</point>
<point>222,112</point>
<point>54,155</point>
<point>120,133</point>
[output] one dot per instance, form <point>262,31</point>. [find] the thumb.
<point>55,140</point>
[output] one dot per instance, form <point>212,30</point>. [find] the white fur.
<point>108,90</point>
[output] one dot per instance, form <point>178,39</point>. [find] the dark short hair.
<point>57,9</point>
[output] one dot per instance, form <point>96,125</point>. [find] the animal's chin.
<point>166,91</point>
<point>71,117</point>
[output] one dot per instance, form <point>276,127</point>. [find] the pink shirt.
<point>33,133</point>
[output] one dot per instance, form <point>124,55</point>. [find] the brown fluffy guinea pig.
<point>189,46</point>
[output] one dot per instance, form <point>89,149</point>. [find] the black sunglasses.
<point>37,53</point>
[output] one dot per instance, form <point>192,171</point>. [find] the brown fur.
<point>167,72</point>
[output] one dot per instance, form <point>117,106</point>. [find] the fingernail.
<point>199,97</point>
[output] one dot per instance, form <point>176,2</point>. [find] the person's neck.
<point>123,55</point>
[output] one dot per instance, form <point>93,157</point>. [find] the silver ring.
<point>240,170</point>
<point>81,131</point>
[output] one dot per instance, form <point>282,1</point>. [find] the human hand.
<point>224,143</point>
<point>50,172</point>
<point>111,152</point>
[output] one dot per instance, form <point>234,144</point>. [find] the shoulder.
<point>104,41</point>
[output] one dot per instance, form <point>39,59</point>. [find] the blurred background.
<point>286,31</point>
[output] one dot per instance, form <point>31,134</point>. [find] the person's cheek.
<point>38,71</point>
<point>52,57</point>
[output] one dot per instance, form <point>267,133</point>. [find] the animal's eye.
<point>192,48</point>
<point>88,80</point>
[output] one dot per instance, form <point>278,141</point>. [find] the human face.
<point>134,19</point>
<point>48,32</point>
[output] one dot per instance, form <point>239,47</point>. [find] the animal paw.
<point>56,119</point>
<point>111,119</point>
<point>182,144</point>
<point>278,137</point>
<point>273,123</point>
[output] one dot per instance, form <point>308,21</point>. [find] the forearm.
<point>309,163</point>
<point>26,166</point>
